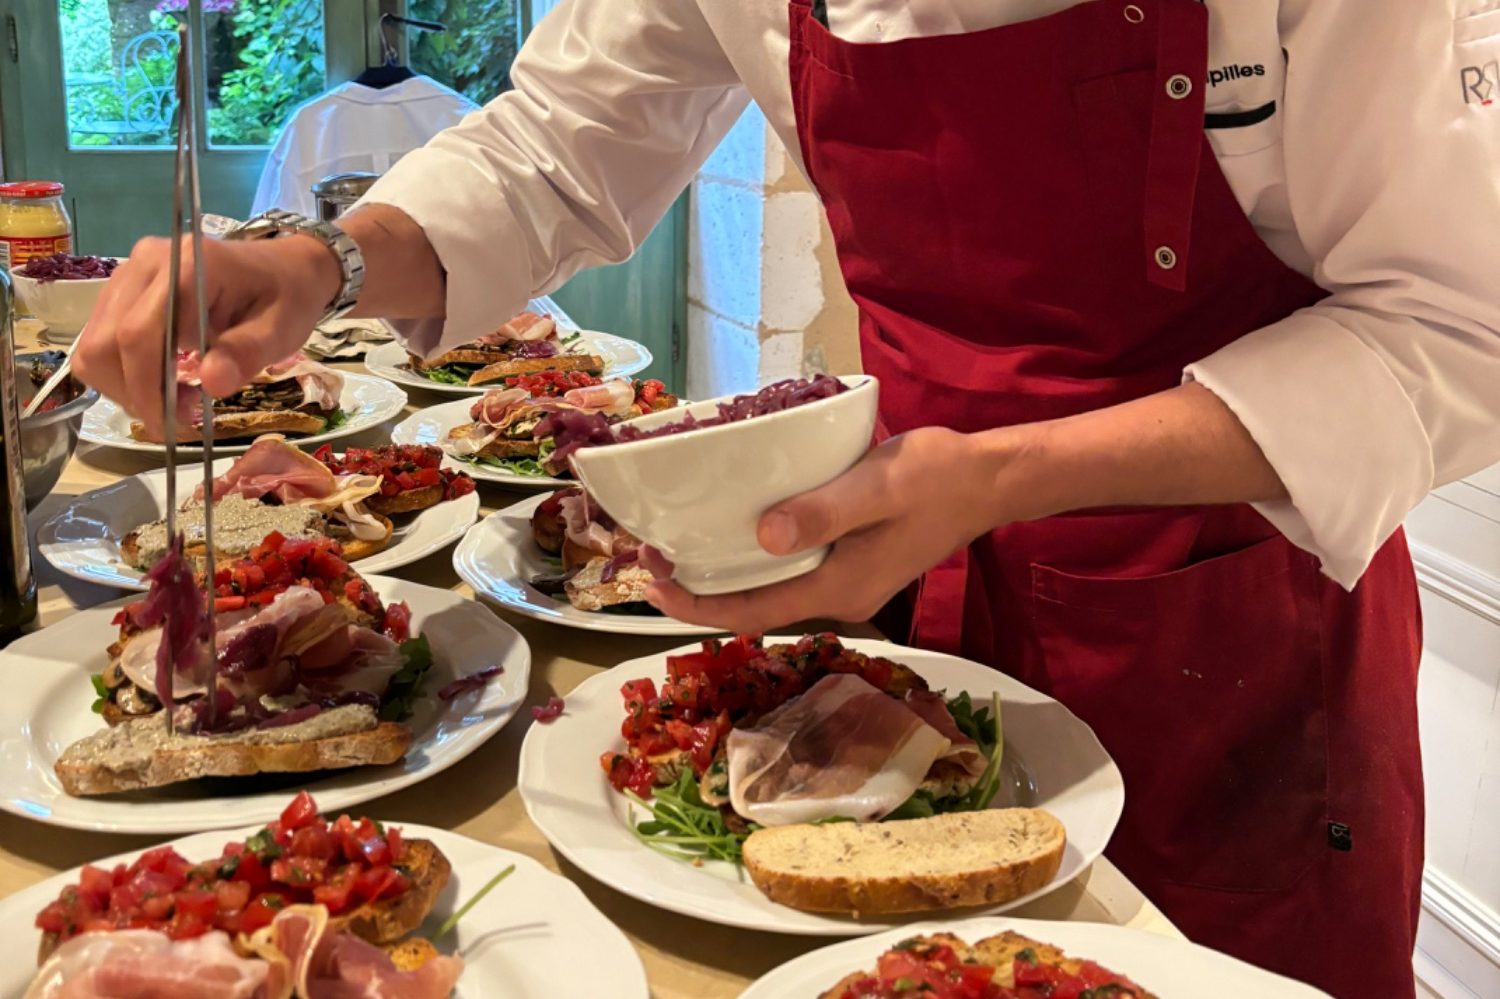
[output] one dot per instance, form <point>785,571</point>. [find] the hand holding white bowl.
<point>906,507</point>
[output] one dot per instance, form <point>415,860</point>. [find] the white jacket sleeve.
<point>616,105</point>
<point>1390,386</point>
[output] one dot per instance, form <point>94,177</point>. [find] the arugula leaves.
<point>684,827</point>
<point>101,694</point>
<point>529,467</point>
<point>448,374</point>
<point>452,921</point>
<point>406,685</point>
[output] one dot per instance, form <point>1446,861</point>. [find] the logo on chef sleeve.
<point>1481,83</point>
<point>1228,74</point>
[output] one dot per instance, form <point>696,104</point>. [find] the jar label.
<point>17,251</point>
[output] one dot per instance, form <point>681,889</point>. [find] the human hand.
<point>264,297</point>
<point>908,505</point>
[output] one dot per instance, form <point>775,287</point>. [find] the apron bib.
<point>1033,224</point>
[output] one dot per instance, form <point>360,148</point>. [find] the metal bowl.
<point>48,439</point>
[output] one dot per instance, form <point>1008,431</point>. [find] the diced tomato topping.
<point>398,621</point>
<point>301,812</point>
<point>299,858</point>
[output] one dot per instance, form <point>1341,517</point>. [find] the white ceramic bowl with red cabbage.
<point>63,298</point>
<point>697,496</point>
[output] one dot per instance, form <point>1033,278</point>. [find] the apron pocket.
<point>1206,686</point>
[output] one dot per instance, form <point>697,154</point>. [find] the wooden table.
<point>684,958</point>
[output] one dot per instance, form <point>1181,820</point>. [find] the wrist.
<point>1025,473</point>
<point>315,263</point>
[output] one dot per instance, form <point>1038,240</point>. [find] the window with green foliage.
<point>474,55</point>
<point>262,58</point>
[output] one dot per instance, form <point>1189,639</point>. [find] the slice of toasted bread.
<point>358,548</point>
<point>386,922</point>
<point>139,753</point>
<point>459,355</point>
<point>947,861</point>
<point>591,364</point>
<point>230,426</point>
<point>406,501</point>
<point>588,591</point>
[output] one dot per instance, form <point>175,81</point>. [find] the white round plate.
<point>47,709</point>
<point>83,539</point>
<point>1052,761</point>
<point>622,358</point>
<point>368,400</point>
<point>1168,967</point>
<point>499,559</point>
<point>431,426</point>
<point>522,941</point>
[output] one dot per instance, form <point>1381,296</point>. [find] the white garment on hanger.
<point>353,128</point>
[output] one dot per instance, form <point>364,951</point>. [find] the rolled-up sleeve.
<point>1390,386</point>
<point>616,105</point>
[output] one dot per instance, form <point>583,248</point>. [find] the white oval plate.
<point>570,801</point>
<point>499,558</point>
<point>622,358</point>
<point>522,941</point>
<point>1168,967</point>
<point>83,539</point>
<point>48,694</point>
<point>368,400</point>
<point>431,426</point>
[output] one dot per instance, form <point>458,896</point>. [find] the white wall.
<point>1455,539</point>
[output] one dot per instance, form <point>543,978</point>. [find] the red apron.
<point>1033,224</point>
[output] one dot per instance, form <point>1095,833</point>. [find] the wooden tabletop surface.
<point>684,958</point>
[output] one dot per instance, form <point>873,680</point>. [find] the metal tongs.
<point>187,220</point>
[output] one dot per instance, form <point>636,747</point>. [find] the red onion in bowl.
<point>64,267</point>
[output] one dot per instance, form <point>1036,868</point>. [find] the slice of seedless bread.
<point>948,861</point>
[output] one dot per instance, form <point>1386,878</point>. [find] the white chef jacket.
<point>1378,176</point>
<point>353,128</point>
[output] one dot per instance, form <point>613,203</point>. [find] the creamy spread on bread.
<point>239,525</point>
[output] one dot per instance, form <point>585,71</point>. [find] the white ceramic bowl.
<point>696,497</point>
<point>63,305</point>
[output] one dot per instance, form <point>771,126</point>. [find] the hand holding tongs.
<point>187,220</point>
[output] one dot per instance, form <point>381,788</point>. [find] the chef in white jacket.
<point>1179,309</point>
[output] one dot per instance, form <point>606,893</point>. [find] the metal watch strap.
<point>351,262</point>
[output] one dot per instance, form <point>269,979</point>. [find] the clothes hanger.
<point>392,71</point>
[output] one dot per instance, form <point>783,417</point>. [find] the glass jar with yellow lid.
<point>33,222</point>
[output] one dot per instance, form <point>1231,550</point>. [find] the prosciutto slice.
<point>615,397</point>
<point>337,965</point>
<point>251,663</point>
<point>321,385</point>
<point>272,467</point>
<point>527,327</point>
<point>963,752</point>
<point>128,964</point>
<point>842,750</point>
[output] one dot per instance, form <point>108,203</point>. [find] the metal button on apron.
<point>1166,257</point>
<point>1134,14</point>
<point>1179,87</point>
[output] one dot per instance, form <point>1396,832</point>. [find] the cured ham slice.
<point>527,327</point>
<point>321,385</point>
<point>963,752</point>
<point>612,398</point>
<point>130,964</point>
<point>272,467</point>
<point>249,647</point>
<point>842,750</point>
<point>337,965</point>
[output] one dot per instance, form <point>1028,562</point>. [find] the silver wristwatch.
<point>276,222</point>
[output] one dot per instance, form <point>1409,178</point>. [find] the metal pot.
<point>48,439</point>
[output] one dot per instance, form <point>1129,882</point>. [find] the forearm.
<point>1176,448</point>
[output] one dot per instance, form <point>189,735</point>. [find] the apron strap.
<point>1177,139</point>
